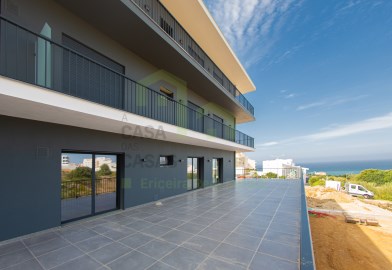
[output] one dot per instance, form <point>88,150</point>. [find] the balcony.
<point>162,17</point>
<point>132,27</point>
<point>34,59</point>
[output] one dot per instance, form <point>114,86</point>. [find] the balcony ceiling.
<point>129,26</point>
<point>198,22</point>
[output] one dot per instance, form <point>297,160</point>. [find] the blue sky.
<point>323,72</point>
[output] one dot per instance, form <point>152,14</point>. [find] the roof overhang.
<point>194,16</point>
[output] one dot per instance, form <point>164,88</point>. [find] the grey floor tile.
<point>132,261</point>
<point>155,219</point>
<point>171,223</point>
<point>214,264</point>
<point>256,222</point>
<point>177,237</point>
<point>136,240</point>
<point>94,222</point>
<point>191,228</point>
<point>201,244</point>
<point>93,243</point>
<point>27,265</point>
<point>119,233</point>
<point>60,256</point>
<point>214,234</point>
<point>263,261</point>
<point>286,228</point>
<point>15,257</point>
<point>77,235</point>
<point>40,238</point>
<point>283,251</point>
<point>139,225</point>
<point>282,237</point>
<point>141,215</point>
<point>48,246</point>
<point>182,258</point>
<point>11,247</point>
<point>156,230</point>
<point>244,241</point>
<point>233,254</point>
<point>160,266</point>
<point>251,230</point>
<point>110,252</point>
<point>203,221</point>
<point>157,248</point>
<point>81,263</point>
<point>224,225</point>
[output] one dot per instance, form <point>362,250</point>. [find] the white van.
<point>358,190</point>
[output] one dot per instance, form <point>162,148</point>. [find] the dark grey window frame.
<point>169,159</point>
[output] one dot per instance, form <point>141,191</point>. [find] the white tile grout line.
<point>238,224</point>
<point>261,241</point>
<point>158,238</point>
<point>32,254</point>
<point>56,230</point>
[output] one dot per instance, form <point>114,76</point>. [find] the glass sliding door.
<point>216,170</point>
<point>105,183</point>
<point>76,185</point>
<point>89,184</point>
<point>193,173</point>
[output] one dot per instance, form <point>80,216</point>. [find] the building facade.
<point>106,105</point>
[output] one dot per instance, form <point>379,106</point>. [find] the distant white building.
<point>243,164</point>
<point>284,168</point>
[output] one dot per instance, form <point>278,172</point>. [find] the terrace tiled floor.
<point>246,224</point>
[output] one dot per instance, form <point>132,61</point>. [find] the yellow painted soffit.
<point>198,22</point>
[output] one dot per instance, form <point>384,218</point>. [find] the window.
<point>165,161</point>
<point>167,92</point>
<point>361,188</point>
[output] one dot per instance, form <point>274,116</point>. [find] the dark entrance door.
<point>194,169</point>
<point>217,170</point>
<point>89,184</point>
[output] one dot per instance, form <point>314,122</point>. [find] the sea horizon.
<point>346,167</point>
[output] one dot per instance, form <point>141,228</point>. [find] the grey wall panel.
<point>30,164</point>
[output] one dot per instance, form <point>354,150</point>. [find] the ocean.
<point>347,167</point>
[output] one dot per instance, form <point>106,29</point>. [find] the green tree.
<point>271,175</point>
<point>105,170</point>
<point>378,177</point>
<point>80,173</point>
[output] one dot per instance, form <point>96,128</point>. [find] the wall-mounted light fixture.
<point>143,160</point>
<point>229,160</point>
<point>180,160</point>
<point>208,160</point>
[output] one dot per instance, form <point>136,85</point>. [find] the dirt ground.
<point>340,245</point>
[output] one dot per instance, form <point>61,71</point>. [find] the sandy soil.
<point>340,245</point>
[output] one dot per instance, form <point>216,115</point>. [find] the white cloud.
<point>337,131</point>
<point>250,26</point>
<point>311,105</point>
<point>268,144</point>
<point>330,102</point>
<point>377,123</point>
<point>289,96</point>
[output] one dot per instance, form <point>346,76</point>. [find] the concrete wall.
<point>30,182</point>
<point>35,14</point>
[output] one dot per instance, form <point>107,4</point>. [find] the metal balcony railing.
<point>162,17</point>
<point>32,58</point>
